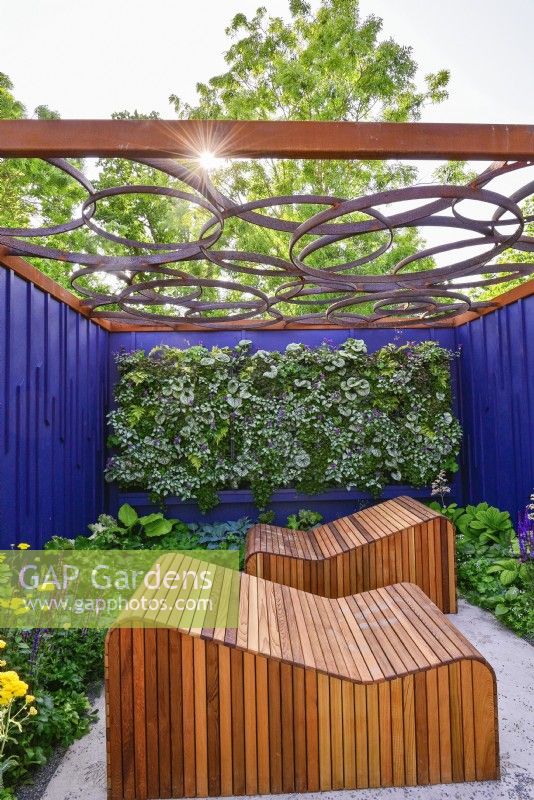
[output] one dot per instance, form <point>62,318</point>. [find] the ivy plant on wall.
<point>189,423</point>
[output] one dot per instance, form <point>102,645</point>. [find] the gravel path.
<point>81,773</point>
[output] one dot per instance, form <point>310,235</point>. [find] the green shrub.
<point>486,530</point>
<point>192,422</point>
<point>491,573</point>
<point>154,532</point>
<point>266,517</point>
<point>130,532</point>
<point>304,520</point>
<point>59,666</point>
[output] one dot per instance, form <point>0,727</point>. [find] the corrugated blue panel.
<point>55,389</point>
<point>497,405</point>
<point>279,339</point>
<point>53,398</point>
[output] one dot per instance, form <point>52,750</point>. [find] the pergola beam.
<point>259,139</point>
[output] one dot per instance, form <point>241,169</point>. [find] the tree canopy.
<point>330,63</point>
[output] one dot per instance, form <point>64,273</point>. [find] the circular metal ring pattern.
<point>366,205</point>
<point>89,206</point>
<point>52,230</point>
<point>194,282</point>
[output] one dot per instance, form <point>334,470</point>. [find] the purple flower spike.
<point>525,534</point>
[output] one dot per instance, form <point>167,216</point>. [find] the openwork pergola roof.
<point>159,284</point>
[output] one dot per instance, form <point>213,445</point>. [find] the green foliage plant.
<point>190,423</point>
<point>305,520</point>
<point>130,532</point>
<point>491,573</point>
<point>325,63</point>
<point>485,530</point>
<point>154,531</point>
<point>59,665</point>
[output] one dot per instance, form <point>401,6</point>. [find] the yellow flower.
<point>11,684</point>
<point>2,644</point>
<point>46,587</point>
<point>23,546</point>
<point>2,663</point>
<point>32,711</point>
<point>29,698</point>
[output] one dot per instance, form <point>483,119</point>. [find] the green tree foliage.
<point>322,66</point>
<point>328,64</point>
<point>36,194</point>
<point>512,257</point>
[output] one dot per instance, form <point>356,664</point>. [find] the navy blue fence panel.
<point>235,504</point>
<point>57,373</point>
<point>276,340</point>
<point>53,398</point>
<point>279,339</point>
<point>238,503</point>
<point>497,406</point>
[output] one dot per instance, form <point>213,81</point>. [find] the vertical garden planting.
<point>192,422</point>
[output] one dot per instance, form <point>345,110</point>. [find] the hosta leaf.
<point>508,576</point>
<point>150,518</point>
<point>127,515</point>
<point>160,527</point>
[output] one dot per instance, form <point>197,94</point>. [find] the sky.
<point>88,59</point>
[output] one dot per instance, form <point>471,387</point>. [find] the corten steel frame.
<point>401,297</point>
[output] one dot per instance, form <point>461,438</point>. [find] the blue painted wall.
<point>496,385</point>
<point>237,503</point>
<point>56,377</point>
<point>278,340</point>
<point>53,396</point>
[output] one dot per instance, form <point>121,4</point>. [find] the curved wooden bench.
<point>307,694</point>
<point>398,540</point>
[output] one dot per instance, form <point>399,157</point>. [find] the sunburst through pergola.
<point>156,282</point>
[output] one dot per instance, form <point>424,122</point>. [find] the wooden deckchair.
<point>306,694</point>
<point>397,540</point>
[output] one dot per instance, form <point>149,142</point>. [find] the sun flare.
<point>208,160</point>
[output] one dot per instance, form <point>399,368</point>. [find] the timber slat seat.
<point>394,541</point>
<point>307,693</point>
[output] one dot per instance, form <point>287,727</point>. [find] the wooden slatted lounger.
<point>398,540</point>
<point>307,694</point>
